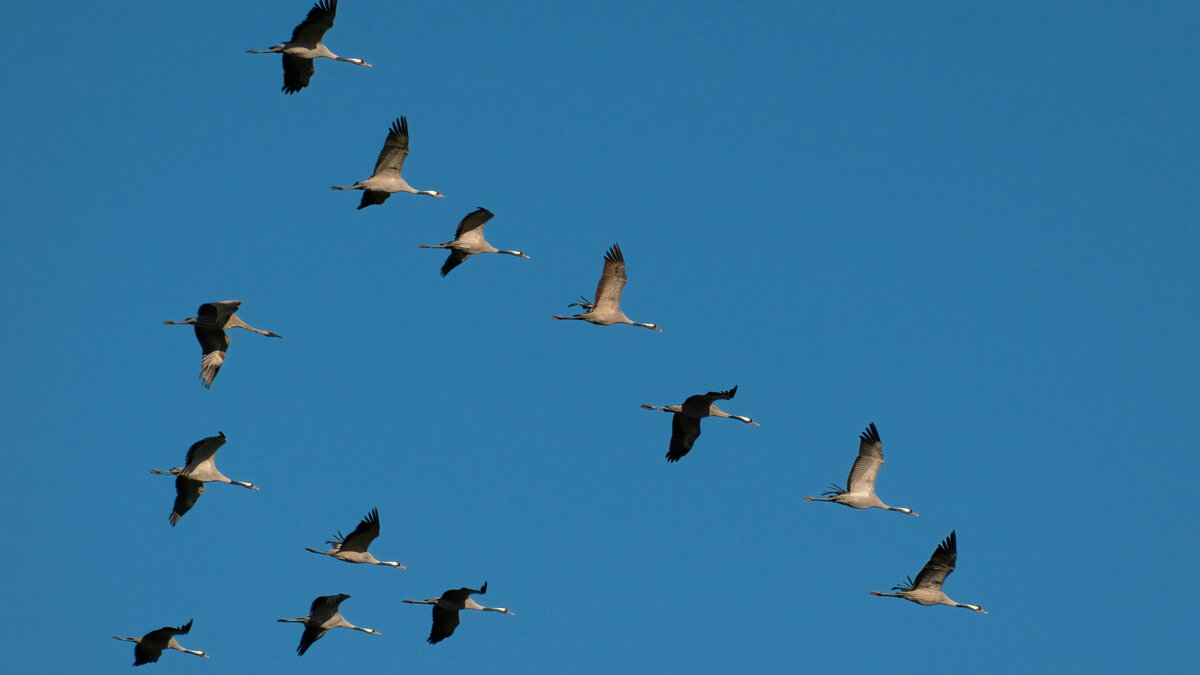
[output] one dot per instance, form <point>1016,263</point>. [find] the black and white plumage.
<point>860,484</point>
<point>201,468</point>
<point>446,608</point>
<point>927,589</point>
<point>469,241</point>
<point>210,323</point>
<point>605,308</point>
<point>305,45</point>
<point>151,645</point>
<point>386,179</point>
<point>353,548</point>
<point>685,424</point>
<point>322,616</point>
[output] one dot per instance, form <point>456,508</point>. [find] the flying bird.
<point>322,616</point>
<point>859,492</point>
<point>151,645</point>
<point>685,425</point>
<point>305,45</point>
<point>446,608</point>
<point>201,468</point>
<point>210,323</point>
<point>353,549</point>
<point>605,309</point>
<point>469,241</point>
<point>927,589</point>
<point>386,179</point>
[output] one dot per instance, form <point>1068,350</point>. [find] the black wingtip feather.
<point>870,434</point>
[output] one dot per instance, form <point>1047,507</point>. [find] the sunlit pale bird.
<point>927,589</point>
<point>605,308</point>
<point>386,179</point>
<point>353,548</point>
<point>305,45</point>
<point>469,241</point>
<point>322,616</point>
<point>210,323</point>
<point>859,492</point>
<point>201,468</point>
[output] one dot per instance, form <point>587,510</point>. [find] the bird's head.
<point>433,193</point>
<point>910,512</point>
<point>974,608</point>
<point>653,326</point>
<point>360,62</point>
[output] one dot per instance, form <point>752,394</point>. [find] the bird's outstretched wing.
<point>213,343</point>
<point>444,623</point>
<point>685,429</point>
<point>473,221</point>
<point>395,148</point>
<point>297,71</point>
<point>187,491</point>
<point>311,634</point>
<point>612,280</point>
<point>940,564</point>
<point>453,260</point>
<point>202,451</point>
<point>320,19</point>
<point>363,535</point>
<point>866,466</point>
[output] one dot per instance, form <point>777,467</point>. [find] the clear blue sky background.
<point>974,224</point>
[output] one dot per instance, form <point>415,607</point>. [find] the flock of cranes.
<point>214,318</point>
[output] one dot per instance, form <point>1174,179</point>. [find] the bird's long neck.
<point>819,499</point>
<point>174,471</point>
<point>887,595</point>
<point>300,620</point>
<point>430,601</point>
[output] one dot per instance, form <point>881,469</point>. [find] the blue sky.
<point>974,224</point>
